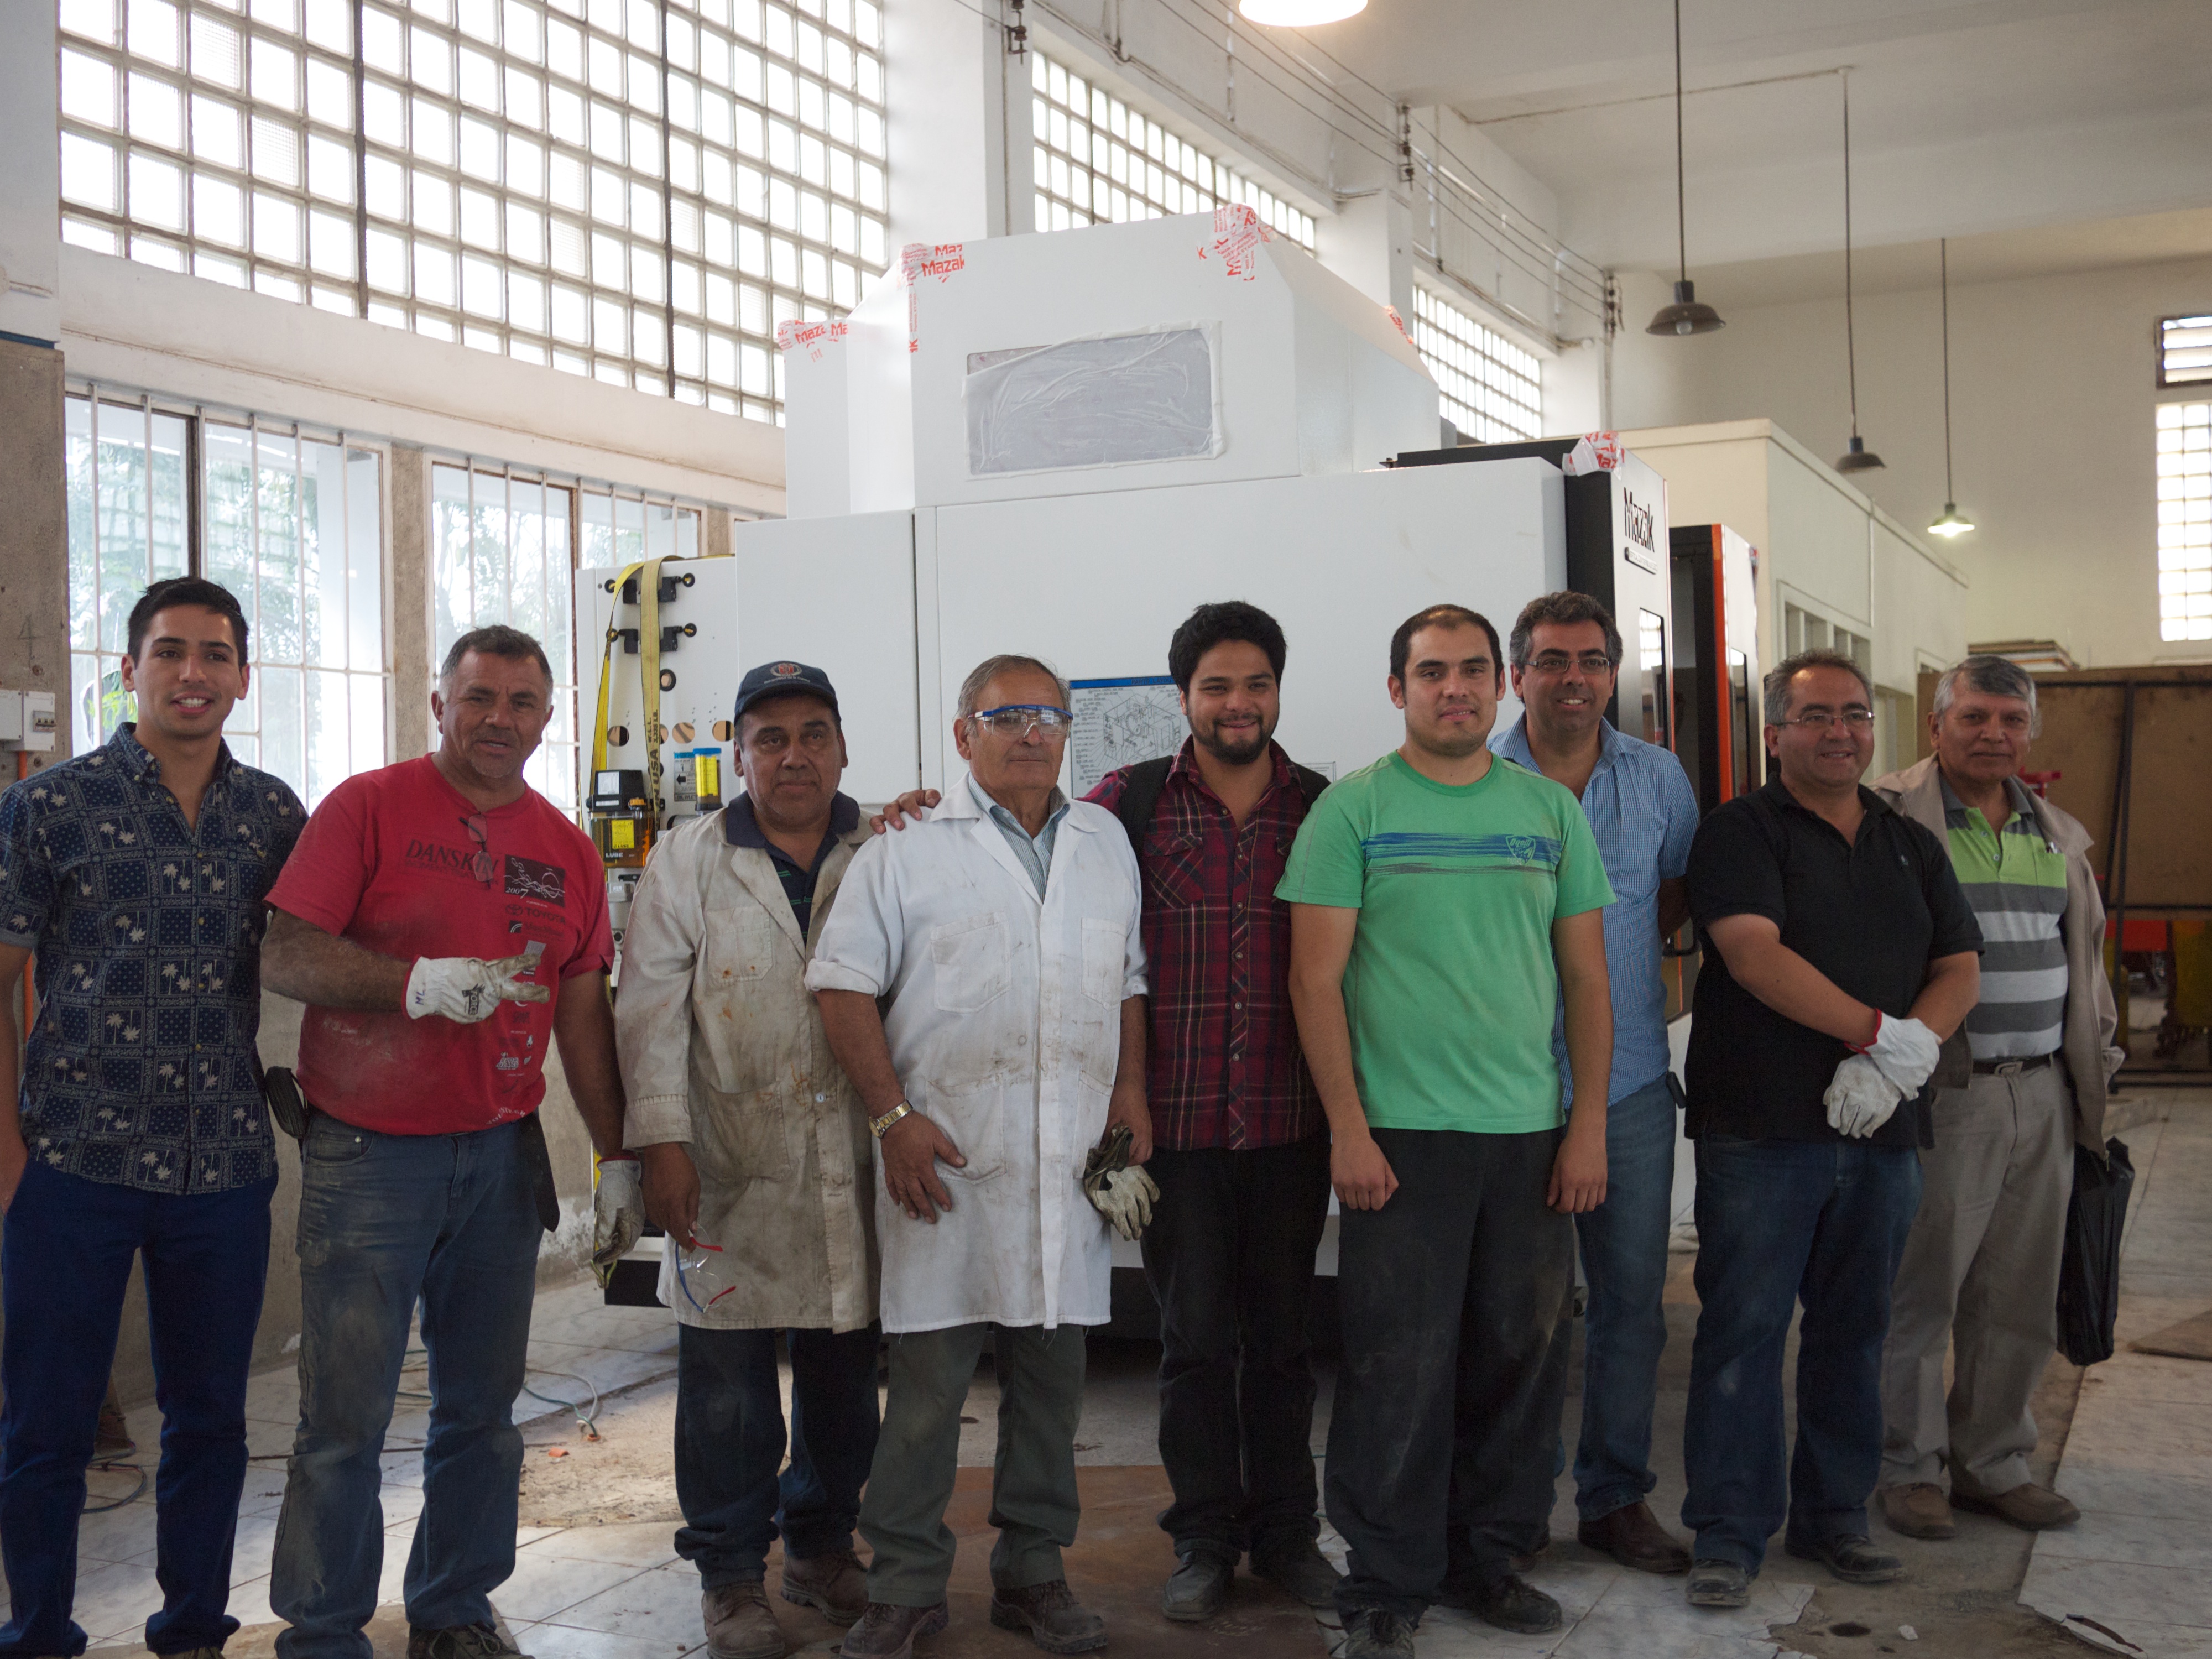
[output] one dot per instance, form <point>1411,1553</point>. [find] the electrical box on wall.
<point>27,721</point>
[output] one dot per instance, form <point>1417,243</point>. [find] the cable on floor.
<point>137,1492</point>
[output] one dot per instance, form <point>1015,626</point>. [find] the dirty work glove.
<point>1861,1099</point>
<point>1905,1050</point>
<point>617,1212</point>
<point>464,990</point>
<point>1124,1194</point>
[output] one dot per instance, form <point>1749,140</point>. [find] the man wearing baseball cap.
<point>757,1162</point>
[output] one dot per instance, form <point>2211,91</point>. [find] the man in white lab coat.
<point>983,981</point>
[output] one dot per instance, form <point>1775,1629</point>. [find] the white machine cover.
<point>1004,1022</point>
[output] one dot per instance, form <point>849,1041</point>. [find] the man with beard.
<point>1444,904</point>
<point>1238,1144</point>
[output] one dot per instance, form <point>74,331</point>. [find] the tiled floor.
<point>2135,1574</point>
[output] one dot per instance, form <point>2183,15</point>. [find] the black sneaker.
<point>1300,1568</point>
<point>1718,1584</point>
<point>1849,1555</point>
<point>1511,1602</point>
<point>1199,1587</point>
<point>1375,1634</point>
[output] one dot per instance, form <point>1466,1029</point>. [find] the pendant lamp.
<point>1954,522</point>
<point>1858,458</point>
<point>1686,315</point>
<point>1299,14</point>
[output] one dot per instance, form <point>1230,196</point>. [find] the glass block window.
<point>201,138</point>
<point>2185,521</point>
<point>505,549</point>
<point>639,191</point>
<point>1097,161</point>
<point>290,521</point>
<point>1492,390</point>
<point>2184,351</point>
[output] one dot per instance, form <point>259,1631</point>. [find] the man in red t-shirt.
<point>445,925</point>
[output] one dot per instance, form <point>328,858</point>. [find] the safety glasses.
<point>1018,720</point>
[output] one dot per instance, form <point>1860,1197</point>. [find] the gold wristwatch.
<point>877,1125</point>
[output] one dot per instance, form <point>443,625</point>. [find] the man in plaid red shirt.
<point>1240,1146</point>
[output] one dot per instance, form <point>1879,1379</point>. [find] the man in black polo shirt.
<point>1839,952</point>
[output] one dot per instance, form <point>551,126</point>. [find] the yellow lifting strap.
<point>647,573</point>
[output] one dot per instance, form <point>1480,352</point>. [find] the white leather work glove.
<point>1861,1099</point>
<point>1905,1050</point>
<point>1121,1191</point>
<point>617,1212</point>
<point>465,990</point>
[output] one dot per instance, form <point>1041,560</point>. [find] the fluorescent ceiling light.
<point>1299,14</point>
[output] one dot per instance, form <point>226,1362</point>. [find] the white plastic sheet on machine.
<point>1109,400</point>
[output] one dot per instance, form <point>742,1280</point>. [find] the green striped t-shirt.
<point>2016,882</point>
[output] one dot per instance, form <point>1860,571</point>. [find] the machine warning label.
<point>1121,722</point>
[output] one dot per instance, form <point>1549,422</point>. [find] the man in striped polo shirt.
<point>1980,1270</point>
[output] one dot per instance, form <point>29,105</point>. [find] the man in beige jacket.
<point>1980,1269</point>
<point>757,1162</point>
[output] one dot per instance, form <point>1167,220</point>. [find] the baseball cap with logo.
<point>783,679</point>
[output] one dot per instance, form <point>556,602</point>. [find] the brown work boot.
<point>1632,1536</point>
<point>887,1633</point>
<point>1056,1620</point>
<point>1918,1509</point>
<point>2028,1507</point>
<point>834,1585</point>
<point>738,1624</point>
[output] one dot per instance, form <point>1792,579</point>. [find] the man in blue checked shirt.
<point>136,874</point>
<point>1566,656</point>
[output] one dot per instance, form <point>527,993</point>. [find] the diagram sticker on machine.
<point>1121,722</point>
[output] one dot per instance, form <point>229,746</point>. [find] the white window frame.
<point>1095,160</point>
<point>2182,438</point>
<point>1489,385</point>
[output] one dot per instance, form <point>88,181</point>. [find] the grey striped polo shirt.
<point>2016,882</point>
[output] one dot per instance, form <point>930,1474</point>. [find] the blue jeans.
<point>730,1443</point>
<point>1625,1329</point>
<point>386,1220</point>
<point>1781,1222</point>
<point>66,1255</point>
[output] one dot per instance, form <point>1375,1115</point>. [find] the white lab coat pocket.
<point>973,1114</point>
<point>968,959</point>
<point>738,1138</point>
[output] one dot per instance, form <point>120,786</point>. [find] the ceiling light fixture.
<point>1858,458</point>
<point>1954,522</point>
<point>1686,315</point>
<point>1299,14</point>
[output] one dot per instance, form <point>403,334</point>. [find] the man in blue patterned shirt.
<point>1566,654</point>
<point>137,874</point>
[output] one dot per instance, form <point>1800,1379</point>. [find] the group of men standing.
<point>897,1091</point>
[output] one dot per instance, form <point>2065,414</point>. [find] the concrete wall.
<point>2052,408</point>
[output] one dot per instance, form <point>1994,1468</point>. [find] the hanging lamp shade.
<point>1858,458</point>
<point>1299,14</point>
<point>1954,522</point>
<point>1687,315</point>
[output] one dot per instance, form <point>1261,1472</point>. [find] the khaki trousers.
<point>1035,1503</point>
<point>1980,1275</point>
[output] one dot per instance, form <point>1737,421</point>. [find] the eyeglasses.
<point>482,865</point>
<point>1859,719</point>
<point>1556,662</point>
<point>1018,720</point>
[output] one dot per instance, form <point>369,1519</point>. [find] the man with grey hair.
<point>982,982</point>
<point>1980,1270</point>
<point>1839,952</point>
<point>447,927</point>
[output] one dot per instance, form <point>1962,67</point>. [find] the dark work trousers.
<point>730,1444</point>
<point>1229,1256</point>
<point>69,1242</point>
<point>1445,1431</point>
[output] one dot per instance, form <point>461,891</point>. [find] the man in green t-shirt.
<point>1444,901</point>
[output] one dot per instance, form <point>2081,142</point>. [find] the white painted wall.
<point>30,172</point>
<point>2052,400</point>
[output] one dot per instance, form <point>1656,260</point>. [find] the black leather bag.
<point>2089,1272</point>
